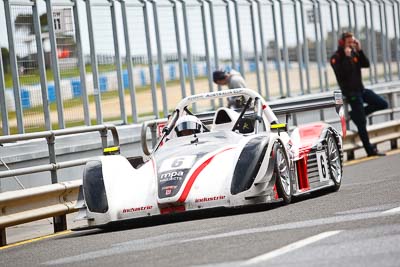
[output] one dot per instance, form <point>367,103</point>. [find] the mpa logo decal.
<point>169,182</point>
<point>171,176</point>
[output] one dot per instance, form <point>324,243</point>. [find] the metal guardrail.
<point>378,133</point>
<point>22,206</point>
<point>59,219</point>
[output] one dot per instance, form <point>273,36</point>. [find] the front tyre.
<point>335,163</point>
<point>282,172</point>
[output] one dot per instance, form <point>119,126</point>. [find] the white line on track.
<point>283,250</point>
<point>395,210</point>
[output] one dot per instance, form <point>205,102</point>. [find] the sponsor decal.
<point>215,94</point>
<point>168,189</point>
<point>170,182</point>
<point>207,199</point>
<point>171,176</point>
<point>128,210</point>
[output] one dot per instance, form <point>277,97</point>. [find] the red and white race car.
<point>233,158</point>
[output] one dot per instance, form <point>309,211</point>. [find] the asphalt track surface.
<point>357,226</point>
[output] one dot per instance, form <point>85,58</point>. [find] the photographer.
<point>347,63</point>
<point>233,80</point>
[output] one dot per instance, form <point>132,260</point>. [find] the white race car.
<point>234,158</point>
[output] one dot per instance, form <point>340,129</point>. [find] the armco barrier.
<point>22,206</point>
<point>60,223</point>
<point>378,133</point>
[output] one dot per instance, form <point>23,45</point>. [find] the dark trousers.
<point>359,113</point>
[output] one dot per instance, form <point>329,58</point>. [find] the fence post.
<point>263,49</point>
<point>323,47</point>
<point>103,136</point>
<point>256,56</point>
<point>384,52</point>
<point>128,60</point>
<point>182,77</point>
<point>367,38</point>
<point>54,65</point>
<point>14,67</point>
<point>41,63</point>
<point>207,48</point>
<point>373,40</point>
<point>285,50</point>
<point>305,47</point>
<point>239,37</point>
<point>349,13</point>
<point>339,29</point>
<point>215,45</point>
<point>188,51</point>
<point>59,222</point>
<point>160,58</point>
<point>3,103</point>
<point>3,237</point>
<point>277,49</point>
<point>93,56</point>
<point>121,93</point>
<point>232,48</point>
<point>334,34</point>
<point>388,46</point>
<point>298,50</point>
<point>355,17</point>
<point>317,44</point>
<point>150,59</point>
<point>394,3</point>
<point>81,64</point>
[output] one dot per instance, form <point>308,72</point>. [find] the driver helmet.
<point>188,125</point>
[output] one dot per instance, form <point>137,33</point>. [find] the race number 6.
<point>322,166</point>
<point>177,162</point>
<point>183,162</point>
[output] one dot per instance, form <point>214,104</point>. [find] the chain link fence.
<point>73,62</point>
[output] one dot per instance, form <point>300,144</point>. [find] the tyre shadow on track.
<point>198,215</point>
<point>157,220</point>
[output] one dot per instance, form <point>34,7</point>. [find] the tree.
<point>5,54</point>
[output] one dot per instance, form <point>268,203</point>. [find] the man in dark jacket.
<point>347,63</point>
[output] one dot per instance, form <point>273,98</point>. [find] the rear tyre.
<point>335,162</point>
<point>282,174</point>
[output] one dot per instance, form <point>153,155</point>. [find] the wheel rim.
<point>334,160</point>
<point>283,169</point>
